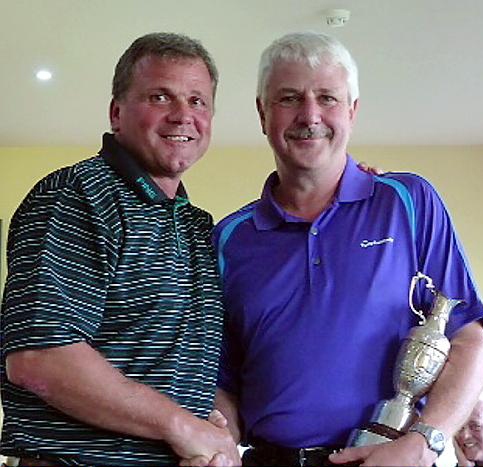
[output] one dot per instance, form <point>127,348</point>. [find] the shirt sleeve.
<point>441,256</point>
<point>230,357</point>
<point>230,363</point>
<point>59,255</point>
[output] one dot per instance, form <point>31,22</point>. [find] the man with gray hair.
<point>316,276</point>
<point>112,314</point>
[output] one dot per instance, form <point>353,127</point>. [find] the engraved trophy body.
<point>419,363</point>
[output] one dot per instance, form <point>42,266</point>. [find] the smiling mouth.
<point>178,138</point>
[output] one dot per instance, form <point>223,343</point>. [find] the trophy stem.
<point>390,419</point>
<point>397,413</point>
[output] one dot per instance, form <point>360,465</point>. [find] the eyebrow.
<point>166,90</point>
<point>287,90</point>
<point>317,90</point>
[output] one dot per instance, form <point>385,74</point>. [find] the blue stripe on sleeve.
<point>224,237</point>
<point>406,198</point>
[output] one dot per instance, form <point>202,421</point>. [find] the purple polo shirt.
<point>316,312</point>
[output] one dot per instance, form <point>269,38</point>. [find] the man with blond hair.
<point>112,314</point>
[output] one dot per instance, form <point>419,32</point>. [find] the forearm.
<point>227,404</point>
<point>80,382</point>
<point>456,391</point>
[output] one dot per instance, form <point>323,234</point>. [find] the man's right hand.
<point>204,443</point>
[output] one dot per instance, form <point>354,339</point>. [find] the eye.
<point>326,99</point>
<point>289,100</point>
<point>197,101</point>
<point>158,97</point>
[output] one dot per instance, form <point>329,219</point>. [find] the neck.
<point>307,196</point>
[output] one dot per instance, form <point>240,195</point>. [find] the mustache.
<point>310,132</point>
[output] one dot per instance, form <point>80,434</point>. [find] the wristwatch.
<point>434,438</point>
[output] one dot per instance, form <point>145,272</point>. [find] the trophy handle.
<point>429,285</point>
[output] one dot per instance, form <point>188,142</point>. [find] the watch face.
<point>438,437</point>
<point>438,441</point>
<point>434,438</point>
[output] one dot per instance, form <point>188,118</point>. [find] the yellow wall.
<point>229,177</point>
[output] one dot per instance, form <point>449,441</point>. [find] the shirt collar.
<point>355,185</point>
<point>128,168</point>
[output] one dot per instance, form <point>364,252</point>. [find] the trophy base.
<point>374,433</point>
<point>365,438</point>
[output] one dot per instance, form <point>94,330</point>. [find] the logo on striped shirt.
<point>145,186</point>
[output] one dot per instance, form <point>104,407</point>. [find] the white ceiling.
<point>421,63</point>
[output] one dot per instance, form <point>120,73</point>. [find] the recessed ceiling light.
<point>43,75</point>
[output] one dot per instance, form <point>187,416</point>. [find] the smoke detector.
<point>336,18</point>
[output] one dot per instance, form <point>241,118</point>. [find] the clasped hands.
<point>227,454</point>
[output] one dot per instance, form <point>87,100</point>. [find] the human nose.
<point>464,433</point>
<point>180,112</point>
<point>309,112</point>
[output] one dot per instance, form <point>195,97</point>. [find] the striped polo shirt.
<point>98,254</point>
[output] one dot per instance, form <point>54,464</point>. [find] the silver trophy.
<point>419,363</point>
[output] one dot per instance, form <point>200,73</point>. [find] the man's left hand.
<point>409,450</point>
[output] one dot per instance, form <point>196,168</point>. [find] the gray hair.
<point>313,49</point>
<point>162,45</point>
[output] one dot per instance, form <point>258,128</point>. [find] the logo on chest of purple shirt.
<point>371,243</point>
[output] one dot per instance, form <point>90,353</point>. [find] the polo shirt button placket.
<point>175,227</point>
<point>314,231</point>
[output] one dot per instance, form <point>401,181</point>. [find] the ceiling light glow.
<point>43,75</point>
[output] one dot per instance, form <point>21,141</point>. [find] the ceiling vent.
<point>336,18</point>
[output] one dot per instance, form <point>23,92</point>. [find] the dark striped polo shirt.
<point>97,253</point>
